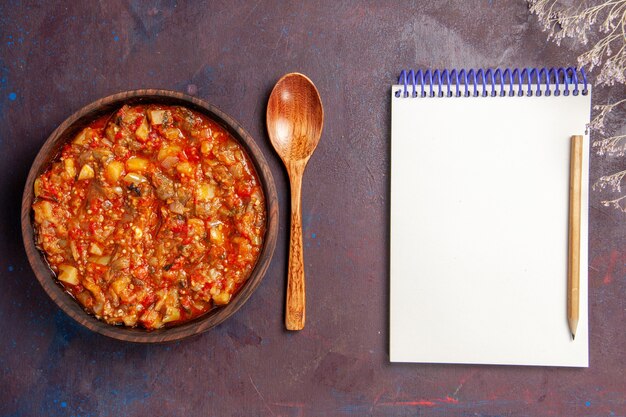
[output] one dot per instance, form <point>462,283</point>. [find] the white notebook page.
<point>479,229</point>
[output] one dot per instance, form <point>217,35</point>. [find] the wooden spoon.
<point>295,118</point>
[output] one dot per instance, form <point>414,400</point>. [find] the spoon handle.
<point>296,299</point>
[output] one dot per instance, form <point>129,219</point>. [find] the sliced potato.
<point>69,166</point>
<point>156,116</point>
<point>151,319</point>
<point>68,274</point>
<point>133,178</point>
<point>120,285</point>
<point>177,207</point>
<point>113,171</point>
<point>172,133</point>
<point>205,191</point>
<point>167,151</point>
<point>221,298</point>
<point>74,249</point>
<point>184,168</point>
<point>95,249</point>
<point>142,131</point>
<point>84,136</point>
<point>86,173</point>
<point>43,211</point>
<point>196,226</point>
<point>100,260</point>
<point>217,237</point>
<point>38,186</point>
<point>206,147</point>
<point>130,319</point>
<point>136,164</point>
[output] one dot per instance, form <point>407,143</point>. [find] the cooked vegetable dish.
<point>150,216</point>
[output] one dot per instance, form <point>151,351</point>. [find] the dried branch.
<point>577,22</point>
<point>608,54</point>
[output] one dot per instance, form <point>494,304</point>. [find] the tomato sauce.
<point>150,217</point>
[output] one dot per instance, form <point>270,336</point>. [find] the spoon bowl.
<point>295,118</point>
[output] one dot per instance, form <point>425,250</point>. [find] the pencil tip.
<point>573,336</point>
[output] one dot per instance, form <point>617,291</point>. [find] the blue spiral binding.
<point>557,81</point>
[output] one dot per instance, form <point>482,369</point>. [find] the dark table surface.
<point>56,57</point>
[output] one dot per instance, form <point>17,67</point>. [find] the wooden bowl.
<point>67,131</point>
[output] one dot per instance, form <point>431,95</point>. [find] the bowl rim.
<point>49,151</point>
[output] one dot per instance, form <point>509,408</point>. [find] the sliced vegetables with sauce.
<point>150,217</point>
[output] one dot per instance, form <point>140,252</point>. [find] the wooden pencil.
<point>573,276</point>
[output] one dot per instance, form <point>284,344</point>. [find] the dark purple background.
<point>55,57</point>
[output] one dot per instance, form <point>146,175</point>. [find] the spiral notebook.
<point>480,165</point>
